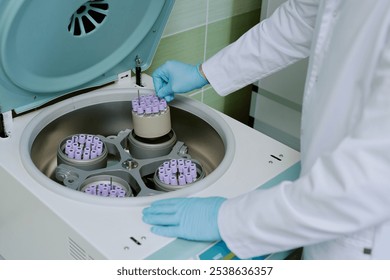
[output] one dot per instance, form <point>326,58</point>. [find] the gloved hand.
<point>188,218</point>
<point>177,77</point>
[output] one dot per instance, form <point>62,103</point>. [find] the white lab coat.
<point>339,208</point>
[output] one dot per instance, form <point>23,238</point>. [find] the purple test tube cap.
<point>182,180</point>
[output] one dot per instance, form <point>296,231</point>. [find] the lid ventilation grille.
<point>88,17</point>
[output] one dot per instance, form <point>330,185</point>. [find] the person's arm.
<point>273,44</point>
<point>344,192</point>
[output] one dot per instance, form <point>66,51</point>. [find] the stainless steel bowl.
<point>206,136</point>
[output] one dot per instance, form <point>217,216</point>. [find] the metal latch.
<point>6,123</point>
<point>138,80</point>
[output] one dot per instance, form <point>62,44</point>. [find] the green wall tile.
<point>186,46</point>
<point>235,105</point>
<point>211,98</point>
<point>186,14</point>
<point>223,32</point>
<point>197,96</point>
<point>222,9</point>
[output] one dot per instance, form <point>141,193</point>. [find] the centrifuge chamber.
<point>42,219</point>
<point>45,212</point>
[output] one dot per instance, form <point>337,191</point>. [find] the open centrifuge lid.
<point>50,48</point>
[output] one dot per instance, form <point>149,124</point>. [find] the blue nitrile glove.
<point>188,218</point>
<point>177,77</point>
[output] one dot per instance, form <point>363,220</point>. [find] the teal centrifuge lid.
<point>49,48</point>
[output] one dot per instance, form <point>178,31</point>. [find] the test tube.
<point>193,172</point>
<point>93,189</point>
<point>182,180</point>
<point>99,149</point>
<point>180,166</point>
<point>77,155</point>
<point>161,174</point>
<point>82,138</point>
<point>88,143</point>
<point>71,153</point>
<point>148,110</point>
<point>188,178</point>
<point>173,167</point>
<point>140,111</point>
<point>166,178</point>
<point>121,193</point>
<point>67,148</point>
<point>105,191</point>
<point>93,154</point>
<point>86,155</point>
<point>173,180</point>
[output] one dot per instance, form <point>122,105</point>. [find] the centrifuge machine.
<point>85,144</point>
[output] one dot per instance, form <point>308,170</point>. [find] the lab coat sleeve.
<point>345,191</point>
<point>276,42</point>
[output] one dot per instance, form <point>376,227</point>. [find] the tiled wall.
<point>198,29</point>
